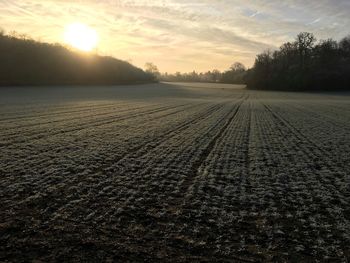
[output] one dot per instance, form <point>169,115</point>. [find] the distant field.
<point>173,172</point>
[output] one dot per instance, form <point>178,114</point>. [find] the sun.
<point>81,36</point>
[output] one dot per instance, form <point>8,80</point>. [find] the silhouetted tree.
<point>344,46</point>
<point>303,65</point>
<point>235,75</point>
<point>238,67</point>
<point>24,61</point>
<point>305,42</point>
<point>152,70</point>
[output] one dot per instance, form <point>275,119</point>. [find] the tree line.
<point>303,64</point>
<point>234,75</point>
<point>24,61</point>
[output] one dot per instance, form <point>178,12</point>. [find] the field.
<point>173,172</point>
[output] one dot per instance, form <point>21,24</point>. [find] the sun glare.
<point>81,36</point>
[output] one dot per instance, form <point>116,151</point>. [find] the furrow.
<point>301,136</point>
<point>111,110</point>
<point>196,169</point>
<point>91,124</point>
<point>56,111</point>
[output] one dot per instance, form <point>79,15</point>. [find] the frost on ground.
<point>172,172</point>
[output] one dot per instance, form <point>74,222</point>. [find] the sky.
<point>180,35</point>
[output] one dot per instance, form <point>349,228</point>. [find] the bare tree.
<point>344,45</point>
<point>152,69</point>
<point>305,42</point>
<point>238,67</point>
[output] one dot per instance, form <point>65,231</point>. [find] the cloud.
<point>181,34</point>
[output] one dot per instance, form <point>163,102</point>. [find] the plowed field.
<point>173,172</point>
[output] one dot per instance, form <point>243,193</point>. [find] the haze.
<point>211,34</point>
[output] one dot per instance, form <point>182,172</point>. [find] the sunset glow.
<point>81,36</point>
<point>178,35</point>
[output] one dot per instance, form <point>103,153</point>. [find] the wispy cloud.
<point>314,21</point>
<point>181,34</point>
